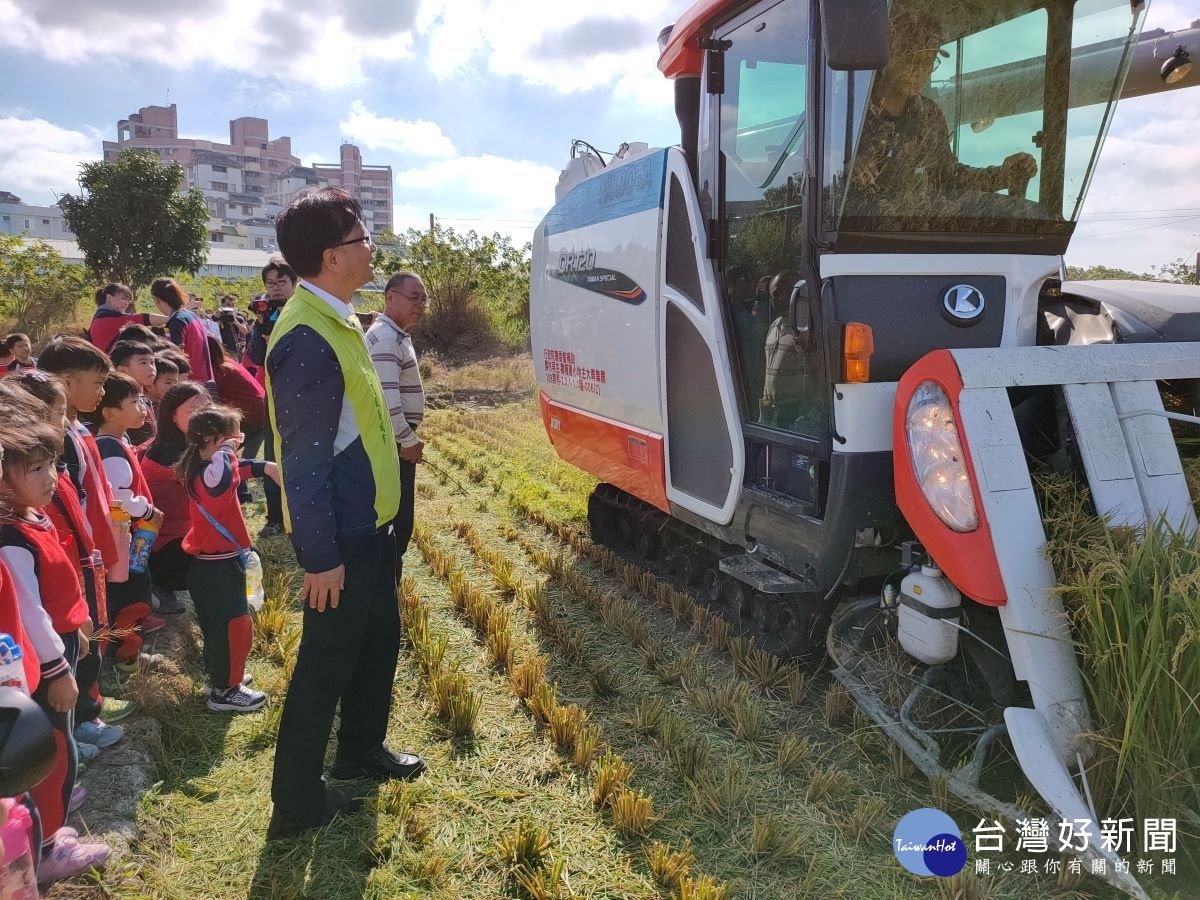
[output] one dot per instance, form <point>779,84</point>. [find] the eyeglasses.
<point>283,282</point>
<point>415,298</point>
<point>365,239</point>
<point>938,55</point>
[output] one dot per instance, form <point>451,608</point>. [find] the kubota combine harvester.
<point>812,351</point>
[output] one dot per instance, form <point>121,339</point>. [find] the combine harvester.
<point>811,351</point>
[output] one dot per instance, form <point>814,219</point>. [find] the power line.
<point>1140,228</point>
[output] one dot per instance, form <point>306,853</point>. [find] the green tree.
<point>37,289</point>
<point>1104,273</point>
<point>1180,272</point>
<point>478,288</point>
<point>133,223</point>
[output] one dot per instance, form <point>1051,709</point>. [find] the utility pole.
<point>431,228</point>
<point>1196,271</point>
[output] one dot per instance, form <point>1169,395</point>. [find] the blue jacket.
<point>330,486</point>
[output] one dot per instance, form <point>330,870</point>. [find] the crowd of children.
<point>119,491</point>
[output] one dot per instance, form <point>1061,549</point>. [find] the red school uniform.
<point>96,495</point>
<point>215,489</point>
<point>10,623</point>
<point>66,512</point>
<point>53,569</point>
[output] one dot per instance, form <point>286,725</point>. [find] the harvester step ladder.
<point>760,576</point>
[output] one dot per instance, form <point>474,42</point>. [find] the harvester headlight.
<point>938,459</point>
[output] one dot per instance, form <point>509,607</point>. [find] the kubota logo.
<point>963,303</point>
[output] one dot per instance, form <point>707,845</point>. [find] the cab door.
<point>705,455</point>
<point>753,164</point>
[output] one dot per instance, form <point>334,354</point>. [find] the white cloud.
<point>1143,208</point>
<point>483,193</point>
<point>268,39</point>
<point>415,138</point>
<point>38,159</point>
<point>542,42</point>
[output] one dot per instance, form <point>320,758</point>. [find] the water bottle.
<point>12,664</point>
<point>254,581</point>
<point>121,521</point>
<point>144,534</point>
<point>18,880</point>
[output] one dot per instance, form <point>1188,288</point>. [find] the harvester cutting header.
<point>812,351</point>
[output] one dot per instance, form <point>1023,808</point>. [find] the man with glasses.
<point>280,282</point>
<point>341,491</point>
<point>904,154</point>
<point>391,348</point>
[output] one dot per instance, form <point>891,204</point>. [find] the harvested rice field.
<point>590,731</point>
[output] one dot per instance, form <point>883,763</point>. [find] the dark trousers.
<point>346,655</point>
<point>128,604</point>
<point>250,447</point>
<point>53,793</point>
<point>402,525</point>
<point>169,565</point>
<point>271,490</point>
<point>218,588</point>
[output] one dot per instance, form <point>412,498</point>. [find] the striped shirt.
<point>395,360</point>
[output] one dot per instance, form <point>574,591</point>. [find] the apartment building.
<point>253,176</point>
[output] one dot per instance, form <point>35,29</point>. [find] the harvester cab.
<point>810,351</point>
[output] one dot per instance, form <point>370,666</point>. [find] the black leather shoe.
<point>337,802</point>
<point>380,764</point>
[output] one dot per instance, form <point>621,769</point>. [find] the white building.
<point>17,217</point>
<point>222,262</point>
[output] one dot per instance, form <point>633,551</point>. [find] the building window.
<point>219,169</point>
<point>216,237</point>
<point>246,210</point>
<point>45,221</point>
<point>258,243</point>
<point>26,223</point>
<point>219,185</point>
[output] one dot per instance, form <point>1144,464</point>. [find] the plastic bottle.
<point>121,521</point>
<point>12,664</point>
<point>928,624</point>
<point>18,881</point>
<point>254,581</point>
<point>144,534</point>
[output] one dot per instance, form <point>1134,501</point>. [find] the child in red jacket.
<point>122,408</point>
<point>53,613</point>
<point>218,543</point>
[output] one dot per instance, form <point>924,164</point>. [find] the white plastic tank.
<point>930,609</point>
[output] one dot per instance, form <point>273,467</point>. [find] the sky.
<point>473,103</point>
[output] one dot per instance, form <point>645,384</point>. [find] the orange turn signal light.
<point>858,346</point>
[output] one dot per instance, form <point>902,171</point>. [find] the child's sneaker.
<point>87,752</point>
<point>66,857</point>
<point>114,710</point>
<point>99,733</point>
<point>130,666</point>
<point>166,603</point>
<point>78,795</point>
<point>238,699</point>
<point>152,622</point>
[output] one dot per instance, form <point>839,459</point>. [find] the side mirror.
<point>800,315</point>
<point>856,34</point>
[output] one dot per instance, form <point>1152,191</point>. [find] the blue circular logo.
<point>928,842</point>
